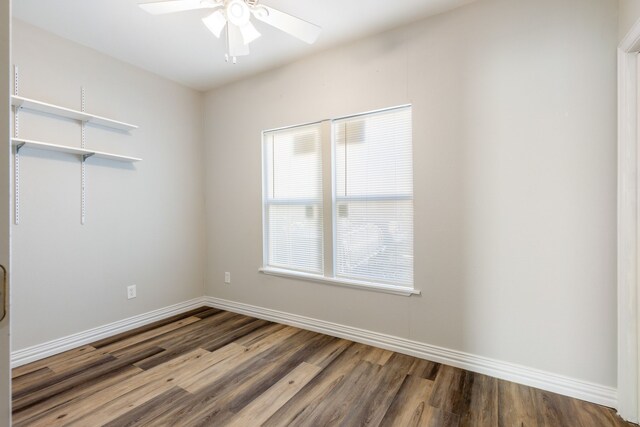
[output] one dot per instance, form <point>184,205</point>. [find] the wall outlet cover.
<point>131,292</point>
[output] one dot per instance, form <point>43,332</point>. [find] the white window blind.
<point>374,197</point>
<point>293,199</point>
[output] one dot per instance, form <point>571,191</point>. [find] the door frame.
<point>5,205</point>
<point>628,227</point>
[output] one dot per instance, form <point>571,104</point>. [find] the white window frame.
<point>329,201</point>
<point>268,202</point>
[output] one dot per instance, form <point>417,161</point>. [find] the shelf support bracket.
<point>83,200</point>
<point>16,131</point>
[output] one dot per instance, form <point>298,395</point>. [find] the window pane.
<point>293,199</point>
<point>373,154</point>
<point>295,163</point>
<point>295,237</point>
<point>375,241</point>
<point>374,197</point>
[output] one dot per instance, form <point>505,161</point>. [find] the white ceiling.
<point>179,47</point>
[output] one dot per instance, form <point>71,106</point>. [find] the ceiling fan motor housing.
<point>238,12</point>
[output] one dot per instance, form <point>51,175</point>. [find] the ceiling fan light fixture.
<point>215,22</point>
<point>249,33</point>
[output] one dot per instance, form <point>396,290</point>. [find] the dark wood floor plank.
<point>590,414</point>
<point>378,356</point>
<point>188,337</point>
<point>425,369</point>
<point>244,354</point>
<point>555,410</point>
<point>260,409</point>
<point>108,402</point>
<point>299,408</point>
<point>124,335</point>
<point>229,359</point>
<point>81,392</point>
<point>410,406</point>
<point>149,335</point>
<point>55,379</point>
<point>185,335</point>
<point>234,390</point>
<point>380,392</point>
<point>19,384</point>
<point>210,342</point>
<point>150,390</point>
<point>75,362</point>
<point>353,392</point>
<point>232,335</point>
<point>260,334</point>
<point>43,363</point>
<point>272,367</point>
<point>155,416</point>
<point>212,367</point>
<point>67,381</point>
<point>450,389</point>
<point>480,401</point>
<point>328,353</point>
<point>149,409</point>
<point>208,313</point>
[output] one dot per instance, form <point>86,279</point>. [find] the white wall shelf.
<point>20,103</point>
<point>43,107</point>
<point>84,153</point>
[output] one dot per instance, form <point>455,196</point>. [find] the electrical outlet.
<point>131,291</point>
<point>227,277</point>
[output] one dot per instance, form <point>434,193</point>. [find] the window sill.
<point>354,284</point>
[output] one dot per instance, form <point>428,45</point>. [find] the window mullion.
<point>327,196</point>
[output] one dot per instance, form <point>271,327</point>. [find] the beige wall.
<point>144,222</point>
<point>515,180</point>
<point>629,13</point>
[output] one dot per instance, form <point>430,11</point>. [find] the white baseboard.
<point>40,351</point>
<point>567,386</point>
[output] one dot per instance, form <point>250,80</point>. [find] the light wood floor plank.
<point>159,375</point>
<point>516,405</point>
<point>410,407</point>
<point>43,363</point>
<point>235,389</point>
<point>76,394</point>
<point>111,348</point>
<point>258,411</point>
<point>298,409</point>
<point>242,356</point>
<point>19,384</point>
<point>124,335</point>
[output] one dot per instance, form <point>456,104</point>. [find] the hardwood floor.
<point>211,367</point>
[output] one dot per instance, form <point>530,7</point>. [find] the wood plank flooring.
<point>209,367</point>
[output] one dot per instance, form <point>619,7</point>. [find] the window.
<point>293,199</point>
<point>338,200</point>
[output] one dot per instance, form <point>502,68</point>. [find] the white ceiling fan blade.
<point>235,43</point>
<point>215,22</point>
<point>170,6</point>
<point>249,33</point>
<point>305,31</point>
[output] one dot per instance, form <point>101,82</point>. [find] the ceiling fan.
<point>235,16</point>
